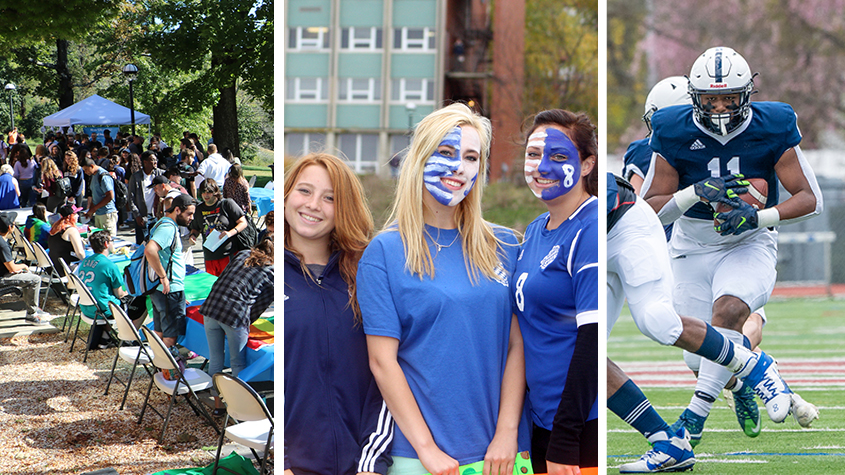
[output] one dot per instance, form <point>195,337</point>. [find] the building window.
<point>306,89</point>
<point>309,38</point>
<point>411,89</point>
<point>297,145</point>
<point>360,151</point>
<point>359,89</point>
<point>413,39</point>
<point>361,38</point>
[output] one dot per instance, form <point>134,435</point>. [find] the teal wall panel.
<point>359,65</point>
<point>358,116</point>
<point>409,65</point>
<point>306,115</point>
<point>361,13</point>
<point>307,65</point>
<point>414,13</point>
<point>309,12</point>
<point>399,116</point>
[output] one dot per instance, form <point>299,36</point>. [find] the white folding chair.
<point>255,423</point>
<point>127,351</point>
<point>28,251</point>
<point>45,263</point>
<point>186,384</point>
<point>73,299</point>
<point>85,298</point>
<point>18,236</point>
<point>252,180</point>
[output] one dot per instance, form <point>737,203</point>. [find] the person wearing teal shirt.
<point>105,282</point>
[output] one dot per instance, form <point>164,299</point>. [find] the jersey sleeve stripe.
<point>572,252</point>
<point>584,318</point>
<point>588,266</point>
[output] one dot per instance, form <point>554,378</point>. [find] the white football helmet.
<point>671,91</point>
<point>719,71</point>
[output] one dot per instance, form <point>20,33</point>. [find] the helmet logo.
<point>718,66</point>
<point>714,86</point>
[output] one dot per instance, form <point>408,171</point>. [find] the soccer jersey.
<point>101,276</point>
<point>637,159</point>
<point>753,149</point>
<point>453,336</point>
<point>555,287</point>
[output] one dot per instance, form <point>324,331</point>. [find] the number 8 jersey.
<point>555,288</point>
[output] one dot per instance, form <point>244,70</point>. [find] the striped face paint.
<point>552,164</point>
<point>444,176</point>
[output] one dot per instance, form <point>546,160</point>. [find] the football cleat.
<point>803,412</point>
<point>747,412</point>
<point>672,455</point>
<point>693,423</point>
<point>761,373</point>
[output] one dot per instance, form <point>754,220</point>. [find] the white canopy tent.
<point>94,110</point>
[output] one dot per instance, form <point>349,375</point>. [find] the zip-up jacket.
<point>336,422</point>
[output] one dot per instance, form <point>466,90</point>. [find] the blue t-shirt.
<point>555,288</point>
<point>101,276</point>
<point>102,183</point>
<point>453,336</point>
<point>753,149</point>
<point>164,233</point>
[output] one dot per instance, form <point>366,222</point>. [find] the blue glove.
<point>741,218</point>
<point>721,189</point>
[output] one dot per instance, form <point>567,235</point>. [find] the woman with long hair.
<point>37,191</point>
<point>77,178</point>
<point>236,300</point>
<point>50,173</point>
<point>327,226</point>
<point>65,238</point>
<point>555,288</point>
<point>24,172</point>
<point>444,344</point>
<point>236,188</point>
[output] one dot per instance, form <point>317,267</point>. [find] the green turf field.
<point>806,338</point>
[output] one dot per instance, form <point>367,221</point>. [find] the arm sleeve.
<point>375,296</point>
<point>376,433</point>
<point>578,398</point>
<point>264,299</point>
<point>132,206</point>
<point>233,212</point>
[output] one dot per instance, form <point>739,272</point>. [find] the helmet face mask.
<point>721,71</point>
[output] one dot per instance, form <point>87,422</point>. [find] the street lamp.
<point>11,87</point>
<point>131,71</point>
<point>410,108</point>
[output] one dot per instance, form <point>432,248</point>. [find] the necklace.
<point>434,241</point>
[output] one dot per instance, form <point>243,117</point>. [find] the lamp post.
<point>131,71</point>
<point>11,87</point>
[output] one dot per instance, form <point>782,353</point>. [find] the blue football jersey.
<point>637,159</point>
<point>555,288</point>
<point>753,149</point>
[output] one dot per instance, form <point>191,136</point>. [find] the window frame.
<point>321,43</point>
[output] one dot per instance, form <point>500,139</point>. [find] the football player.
<point>702,152</point>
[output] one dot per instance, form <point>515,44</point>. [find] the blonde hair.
<point>6,168</point>
<point>353,222</point>
<point>480,244</point>
<point>49,169</point>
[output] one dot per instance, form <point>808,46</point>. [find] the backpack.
<point>121,191</point>
<point>63,188</point>
<point>140,277</point>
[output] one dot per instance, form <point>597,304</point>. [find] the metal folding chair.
<point>85,298</point>
<point>127,351</point>
<point>255,423</point>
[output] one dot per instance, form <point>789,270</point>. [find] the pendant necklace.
<point>440,246</point>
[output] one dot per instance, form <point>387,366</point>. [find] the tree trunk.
<point>65,79</point>
<point>226,121</point>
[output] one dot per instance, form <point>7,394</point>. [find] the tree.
<point>561,56</point>
<point>226,43</point>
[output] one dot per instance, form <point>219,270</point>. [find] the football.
<point>804,412</point>
<point>758,191</point>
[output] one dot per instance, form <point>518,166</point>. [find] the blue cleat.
<point>672,455</point>
<point>761,373</point>
<point>747,412</point>
<point>693,423</point>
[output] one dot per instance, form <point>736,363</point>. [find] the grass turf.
<point>805,336</point>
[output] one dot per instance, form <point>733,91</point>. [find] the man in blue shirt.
<point>102,205</point>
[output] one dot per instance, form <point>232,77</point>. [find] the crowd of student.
<point>114,182</point>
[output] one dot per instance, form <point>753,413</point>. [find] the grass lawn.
<point>805,336</point>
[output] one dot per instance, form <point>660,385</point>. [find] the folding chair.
<point>18,236</point>
<point>141,354</point>
<point>252,180</point>
<point>28,251</point>
<point>255,427</point>
<point>85,298</point>
<point>188,382</point>
<point>73,299</point>
<point>45,263</point>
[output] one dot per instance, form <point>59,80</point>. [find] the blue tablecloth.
<point>263,199</point>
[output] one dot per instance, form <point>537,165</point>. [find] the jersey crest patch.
<point>697,145</point>
<point>550,257</point>
<point>501,275</point>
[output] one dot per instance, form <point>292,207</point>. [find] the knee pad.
<point>692,360</point>
<point>659,321</point>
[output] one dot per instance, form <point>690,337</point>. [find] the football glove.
<point>741,218</point>
<point>722,189</point>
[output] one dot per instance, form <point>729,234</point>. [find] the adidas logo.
<point>697,145</point>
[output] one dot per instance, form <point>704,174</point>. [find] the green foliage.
<point>561,56</point>
<point>33,22</point>
<point>626,90</point>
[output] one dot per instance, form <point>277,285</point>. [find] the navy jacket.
<point>336,422</point>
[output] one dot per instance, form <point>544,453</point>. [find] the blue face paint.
<point>560,162</point>
<point>440,165</point>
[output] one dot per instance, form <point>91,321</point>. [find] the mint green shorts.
<point>406,466</point>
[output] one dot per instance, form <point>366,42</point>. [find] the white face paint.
<point>451,171</point>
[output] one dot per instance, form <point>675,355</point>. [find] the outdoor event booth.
<point>94,110</point>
